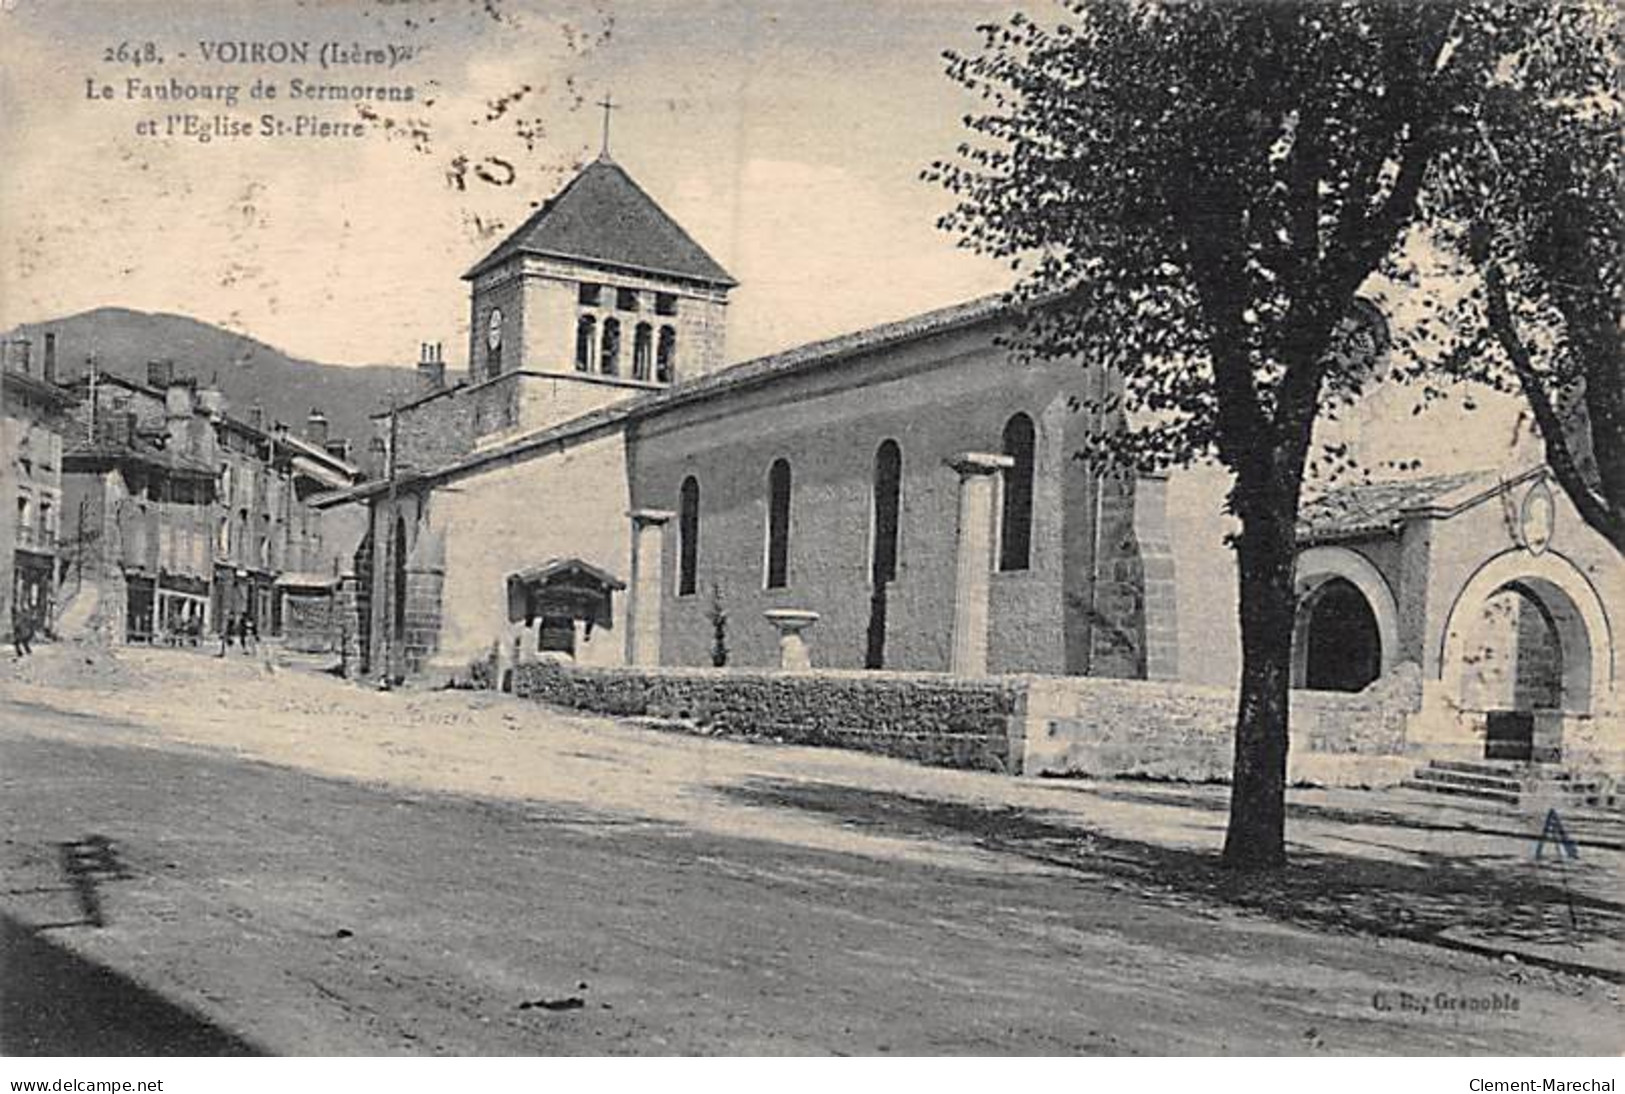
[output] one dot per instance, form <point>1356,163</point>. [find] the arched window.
<point>642,351</point>
<point>888,489</point>
<point>586,342</point>
<point>1016,521</point>
<point>399,575</point>
<point>688,536</point>
<point>666,356</point>
<point>609,356</point>
<point>778,525</point>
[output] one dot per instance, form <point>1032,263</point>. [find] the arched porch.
<point>1345,635</point>
<point>1526,656</point>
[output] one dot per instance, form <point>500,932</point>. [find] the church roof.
<point>1371,508</point>
<point>798,361</point>
<point>605,218</point>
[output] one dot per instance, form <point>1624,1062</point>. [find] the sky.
<point>788,138</point>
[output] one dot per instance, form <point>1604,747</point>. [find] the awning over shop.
<point>307,580</point>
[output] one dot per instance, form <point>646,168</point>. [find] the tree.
<point>1197,192</point>
<point>1534,212</point>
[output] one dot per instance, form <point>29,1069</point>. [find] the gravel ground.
<point>281,862</point>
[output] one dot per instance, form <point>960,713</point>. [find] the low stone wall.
<point>1177,731</point>
<point>929,718</point>
<point>1029,725</point>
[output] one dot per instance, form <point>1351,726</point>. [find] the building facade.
<point>909,497</point>
<point>1483,598</point>
<point>184,518</point>
<point>35,416</point>
<point>600,486</point>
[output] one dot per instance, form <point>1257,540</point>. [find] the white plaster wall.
<point>550,326</point>
<point>566,504</point>
<point>1204,577</point>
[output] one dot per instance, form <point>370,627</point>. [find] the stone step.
<point>1510,784</point>
<point>1481,767</point>
<point>1479,792</point>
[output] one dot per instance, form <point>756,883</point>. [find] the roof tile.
<point>1375,506</point>
<point>602,216</point>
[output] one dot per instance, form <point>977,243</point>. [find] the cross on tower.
<point>608,103</point>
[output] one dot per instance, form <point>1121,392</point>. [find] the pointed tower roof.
<point>605,218</point>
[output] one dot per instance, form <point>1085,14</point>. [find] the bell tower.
<point>601,289</point>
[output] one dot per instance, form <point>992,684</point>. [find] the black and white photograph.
<point>808,528</point>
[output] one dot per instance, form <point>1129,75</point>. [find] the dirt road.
<point>281,863</point>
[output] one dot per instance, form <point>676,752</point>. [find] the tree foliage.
<point>1196,193</point>
<point>1530,214</point>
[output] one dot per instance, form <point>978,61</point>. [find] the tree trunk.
<point>1256,839</point>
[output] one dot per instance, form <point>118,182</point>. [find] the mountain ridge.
<point>248,370</point>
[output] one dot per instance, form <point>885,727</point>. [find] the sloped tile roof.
<point>104,451</point>
<point>1373,507</point>
<point>567,569</point>
<point>800,360</point>
<point>602,216</point>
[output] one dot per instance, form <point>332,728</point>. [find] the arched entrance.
<point>1526,647</point>
<point>1346,631</point>
<point>1336,632</point>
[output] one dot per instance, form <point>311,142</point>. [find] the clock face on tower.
<point>493,329</point>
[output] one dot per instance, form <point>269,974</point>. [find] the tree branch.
<point>1593,507</point>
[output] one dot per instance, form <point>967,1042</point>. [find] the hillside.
<point>247,370</point>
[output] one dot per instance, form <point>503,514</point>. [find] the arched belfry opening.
<point>1337,645</point>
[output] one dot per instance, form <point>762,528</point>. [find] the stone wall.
<point>1024,725</point>
<point>934,397</point>
<point>430,432</point>
<point>1177,731</point>
<point>931,719</point>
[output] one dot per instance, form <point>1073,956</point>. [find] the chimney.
<point>50,357</point>
<point>339,448</point>
<point>316,428</point>
<point>212,401</point>
<point>431,366</point>
<point>118,429</point>
<point>160,374</point>
<point>180,396</point>
<point>256,417</point>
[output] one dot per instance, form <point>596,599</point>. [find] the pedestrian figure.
<point>22,632</point>
<point>249,631</point>
<point>227,633</point>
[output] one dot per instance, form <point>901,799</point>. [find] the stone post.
<point>643,610</point>
<point>977,477</point>
<point>793,653</point>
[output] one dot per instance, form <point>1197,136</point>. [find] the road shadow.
<point>86,863</point>
<point>55,1003</point>
<point>1486,898</point>
<point>1604,833</point>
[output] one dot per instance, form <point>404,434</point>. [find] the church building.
<point>603,486</point>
